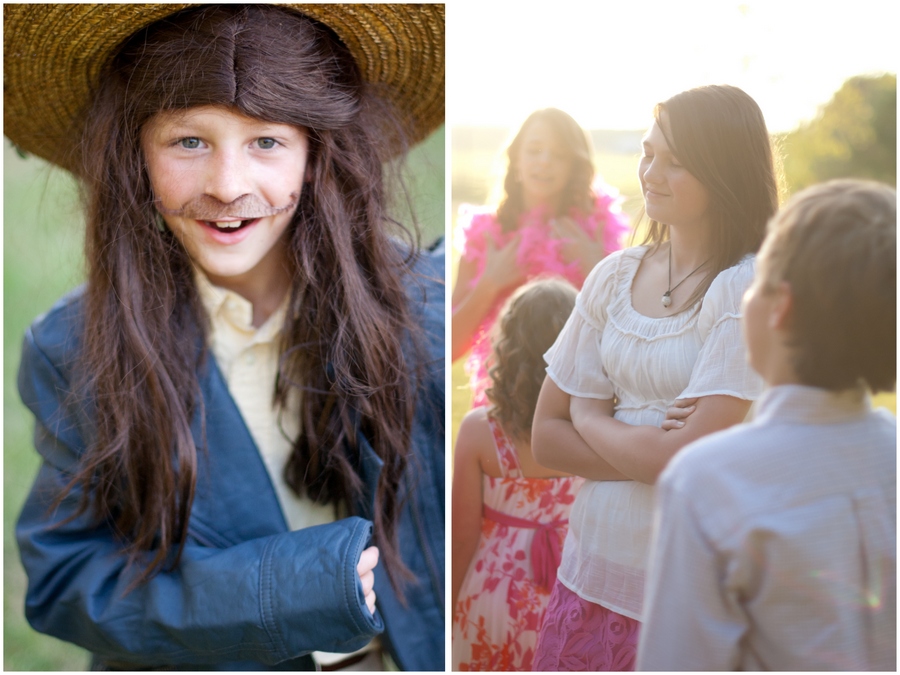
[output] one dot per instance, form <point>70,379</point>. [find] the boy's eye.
<point>266,143</point>
<point>190,142</point>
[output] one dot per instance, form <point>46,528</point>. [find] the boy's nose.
<point>227,177</point>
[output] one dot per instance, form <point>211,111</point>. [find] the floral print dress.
<point>505,592</point>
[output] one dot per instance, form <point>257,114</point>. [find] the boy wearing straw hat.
<point>240,413</point>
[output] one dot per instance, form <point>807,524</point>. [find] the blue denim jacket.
<point>247,593</point>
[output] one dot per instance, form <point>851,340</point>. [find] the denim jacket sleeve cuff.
<point>318,579</point>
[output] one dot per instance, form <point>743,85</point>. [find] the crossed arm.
<point>557,445</point>
<point>581,436</point>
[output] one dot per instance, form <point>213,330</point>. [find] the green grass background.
<point>42,247</point>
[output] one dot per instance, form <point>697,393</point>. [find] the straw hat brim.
<point>53,54</point>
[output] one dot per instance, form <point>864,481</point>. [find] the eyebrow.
<point>267,126</point>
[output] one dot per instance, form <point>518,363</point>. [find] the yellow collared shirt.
<point>248,360</point>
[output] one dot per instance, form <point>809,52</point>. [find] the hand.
<point>367,562</point>
<point>679,411</point>
<point>501,269</point>
<point>575,244</point>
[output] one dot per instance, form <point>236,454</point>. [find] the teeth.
<point>227,224</point>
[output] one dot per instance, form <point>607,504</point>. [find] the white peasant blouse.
<point>608,350</point>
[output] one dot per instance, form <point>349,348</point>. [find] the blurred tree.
<point>854,135</point>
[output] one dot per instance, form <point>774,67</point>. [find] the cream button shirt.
<point>248,360</point>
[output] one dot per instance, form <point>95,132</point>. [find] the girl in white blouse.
<point>655,329</point>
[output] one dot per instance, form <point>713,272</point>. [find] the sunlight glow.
<point>608,63</point>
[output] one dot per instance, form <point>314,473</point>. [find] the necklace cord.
<point>666,298</point>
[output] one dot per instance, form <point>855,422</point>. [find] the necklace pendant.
<point>666,299</point>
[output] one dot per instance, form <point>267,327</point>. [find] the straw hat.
<point>53,53</point>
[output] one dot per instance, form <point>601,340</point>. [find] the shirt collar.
<point>227,307</point>
<point>795,403</point>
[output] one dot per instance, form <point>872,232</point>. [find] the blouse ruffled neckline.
<point>628,320</point>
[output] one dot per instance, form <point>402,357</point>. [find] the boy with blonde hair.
<point>775,541</point>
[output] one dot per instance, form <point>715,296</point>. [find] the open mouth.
<point>228,225</point>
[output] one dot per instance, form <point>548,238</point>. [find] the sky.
<point>607,62</point>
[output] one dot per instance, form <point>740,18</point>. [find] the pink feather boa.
<point>539,255</point>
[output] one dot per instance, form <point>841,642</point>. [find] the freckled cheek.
<point>170,181</point>
<point>291,181</point>
<point>278,186</point>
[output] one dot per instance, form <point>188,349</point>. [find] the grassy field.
<point>42,237</point>
<point>42,260</point>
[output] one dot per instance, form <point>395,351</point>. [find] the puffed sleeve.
<point>266,600</point>
<point>722,366</point>
<point>574,362</point>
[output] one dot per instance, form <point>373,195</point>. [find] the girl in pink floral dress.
<point>509,514</point>
<point>556,219</point>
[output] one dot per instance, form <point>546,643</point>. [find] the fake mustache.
<point>245,207</point>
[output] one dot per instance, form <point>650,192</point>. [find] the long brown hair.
<point>145,332</point>
<point>528,325</point>
<point>577,192</point>
<point>718,133</point>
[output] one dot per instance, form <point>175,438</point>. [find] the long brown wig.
<point>577,192</point>
<point>718,133</point>
<point>145,333</point>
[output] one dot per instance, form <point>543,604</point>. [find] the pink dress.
<point>539,255</point>
<point>507,587</point>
